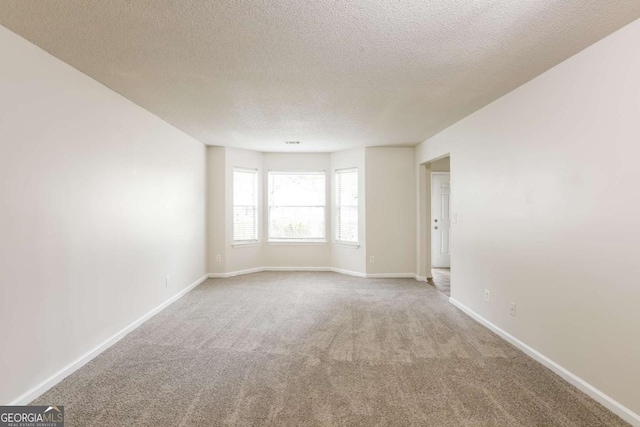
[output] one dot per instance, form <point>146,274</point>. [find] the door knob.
<point>435,228</point>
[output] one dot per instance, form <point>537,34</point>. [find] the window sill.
<point>297,242</point>
<point>245,244</point>
<point>347,244</point>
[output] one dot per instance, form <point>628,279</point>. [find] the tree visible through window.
<point>347,205</point>
<point>245,205</point>
<point>297,206</point>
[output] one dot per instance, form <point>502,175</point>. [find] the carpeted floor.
<point>441,280</point>
<point>318,349</point>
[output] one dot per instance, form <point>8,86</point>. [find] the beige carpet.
<point>318,349</point>
<point>441,280</point>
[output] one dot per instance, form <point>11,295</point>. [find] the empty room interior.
<point>330,213</point>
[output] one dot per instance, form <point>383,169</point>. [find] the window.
<point>245,205</point>
<point>347,205</point>
<point>297,206</point>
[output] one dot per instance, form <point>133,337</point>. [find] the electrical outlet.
<point>372,259</point>
<point>219,258</point>
<point>512,309</point>
<point>487,293</point>
<point>166,282</point>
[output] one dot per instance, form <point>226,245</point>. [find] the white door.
<point>440,220</point>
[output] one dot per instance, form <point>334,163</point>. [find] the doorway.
<point>440,224</point>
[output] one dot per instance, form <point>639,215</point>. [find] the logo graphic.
<point>31,416</point>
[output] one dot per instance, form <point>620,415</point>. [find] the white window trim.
<point>301,242</point>
<point>251,242</point>
<point>347,244</point>
<point>298,242</point>
<point>337,242</point>
<point>245,243</point>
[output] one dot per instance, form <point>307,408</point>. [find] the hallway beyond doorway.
<point>441,280</point>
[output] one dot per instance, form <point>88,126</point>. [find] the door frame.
<point>423,244</point>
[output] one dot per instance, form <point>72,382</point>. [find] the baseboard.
<point>296,269</point>
<point>617,408</point>
<point>391,275</point>
<point>335,270</point>
<point>348,272</point>
<point>38,390</point>
<point>420,278</point>
<point>235,273</point>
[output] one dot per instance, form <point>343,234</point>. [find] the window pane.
<point>245,205</point>
<point>297,206</point>
<point>296,222</point>
<point>244,223</point>
<point>244,187</point>
<point>297,189</point>
<point>348,223</point>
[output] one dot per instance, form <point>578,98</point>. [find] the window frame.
<point>294,241</point>
<point>337,208</point>
<point>246,242</point>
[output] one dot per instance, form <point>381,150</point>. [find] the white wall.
<point>99,201</point>
<point>544,222</point>
<point>440,165</point>
<point>350,258</point>
<point>423,219</point>
<point>216,209</point>
<point>390,210</point>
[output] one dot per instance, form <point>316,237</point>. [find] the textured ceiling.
<point>331,74</point>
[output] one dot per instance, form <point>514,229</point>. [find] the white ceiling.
<point>331,74</point>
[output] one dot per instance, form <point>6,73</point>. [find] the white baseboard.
<point>259,269</point>
<point>335,270</point>
<point>420,278</point>
<point>391,276</point>
<point>617,408</point>
<point>296,269</point>
<point>235,273</point>
<point>348,272</point>
<point>38,390</point>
